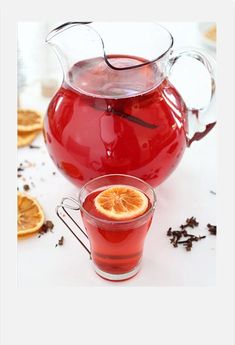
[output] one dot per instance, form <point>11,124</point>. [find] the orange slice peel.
<point>30,215</point>
<point>29,120</point>
<point>26,138</point>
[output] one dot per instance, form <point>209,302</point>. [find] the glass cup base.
<point>117,277</point>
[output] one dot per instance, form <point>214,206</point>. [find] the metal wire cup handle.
<point>63,205</point>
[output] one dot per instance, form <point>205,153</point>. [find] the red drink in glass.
<point>116,245</point>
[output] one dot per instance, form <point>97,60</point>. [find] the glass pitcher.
<point>116,110</point>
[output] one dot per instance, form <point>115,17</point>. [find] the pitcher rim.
<point>67,25</point>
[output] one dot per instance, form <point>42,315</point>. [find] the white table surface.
<point>184,194</point>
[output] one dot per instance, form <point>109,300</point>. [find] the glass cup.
<point>116,246</point>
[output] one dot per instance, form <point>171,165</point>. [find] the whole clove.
<point>212,229</point>
<point>47,226</point>
<point>190,222</point>
<point>60,242</point>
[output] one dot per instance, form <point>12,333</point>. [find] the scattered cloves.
<point>176,235</point>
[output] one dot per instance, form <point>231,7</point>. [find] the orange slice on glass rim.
<point>28,120</point>
<point>30,215</point>
<point>121,202</point>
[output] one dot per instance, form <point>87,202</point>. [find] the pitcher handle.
<point>196,113</point>
<point>76,207</point>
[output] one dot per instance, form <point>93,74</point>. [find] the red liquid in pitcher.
<point>116,248</point>
<point>103,121</point>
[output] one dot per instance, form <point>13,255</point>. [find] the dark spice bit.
<point>53,173</point>
<point>189,242</point>
<point>190,222</point>
<point>34,147</point>
<point>176,235</point>
<point>126,116</point>
<point>60,242</point>
<point>26,165</point>
<point>212,229</point>
<point>48,225</point>
<point>212,192</point>
<point>19,175</point>
<point>26,187</point>
<point>169,232</point>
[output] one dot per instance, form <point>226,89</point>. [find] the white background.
<point>114,315</point>
<point>186,193</point>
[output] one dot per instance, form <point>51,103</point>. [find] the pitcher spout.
<point>73,42</point>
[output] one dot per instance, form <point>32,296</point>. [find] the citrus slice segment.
<point>26,138</point>
<point>121,202</point>
<point>30,215</point>
<point>28,120</point>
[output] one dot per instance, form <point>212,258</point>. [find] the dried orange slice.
<point>30,215</point>
<point>211,33</point>
<point>26,138</point>
<point>28,120</point>
<point>121,202</point>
